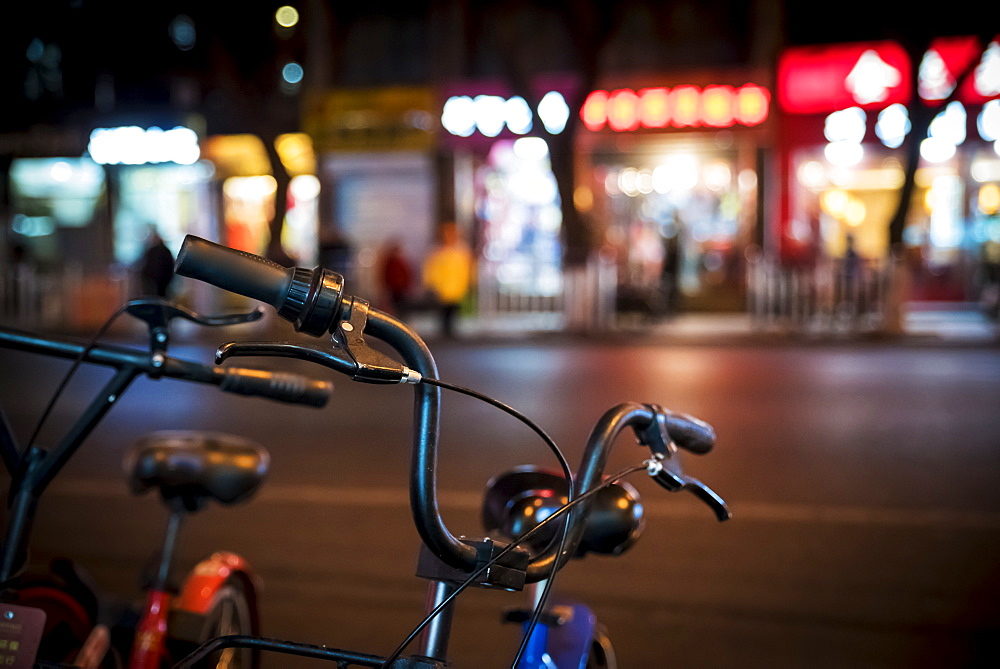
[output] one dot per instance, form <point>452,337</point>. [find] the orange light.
<point>623,110</point>
<point>751,104</point>
<point>595,110</point>
<point>654,107</point>
<point>686,102</point>
<point>717,106</point>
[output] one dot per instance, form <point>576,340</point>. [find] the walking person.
<point>397,278</point>
<point>447,273</point>
<point>157,269</point>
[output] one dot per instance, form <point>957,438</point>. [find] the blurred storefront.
<point>377,171</point>
<point>80,224</point>
<point>842,158</point>
<point>248,187</point>
<point>671,172</point>
<point>505,194</point>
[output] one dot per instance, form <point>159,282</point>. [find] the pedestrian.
<point>447,273</point>
<point>396,276</point>
<point>157,269</point>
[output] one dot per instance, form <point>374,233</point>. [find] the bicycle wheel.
<point>233,611</point>
<point>602,654</point>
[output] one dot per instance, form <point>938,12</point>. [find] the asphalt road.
<point>862,480</point>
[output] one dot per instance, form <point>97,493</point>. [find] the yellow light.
<point>834,202</point>
<point>296,153</point>
<point>583,198</point>
<point>855,213</point>
<point>989,199</point>
<point>286,16</point>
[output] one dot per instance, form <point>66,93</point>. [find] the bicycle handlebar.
<point>313,301</point>
<point>279,386</point>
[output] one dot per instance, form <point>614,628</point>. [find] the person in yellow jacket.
<point>448,274</point>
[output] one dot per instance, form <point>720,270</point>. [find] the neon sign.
<point>625,110</point>
<point>132,145</point>
<point>877,75</point>
<point>490,114</point>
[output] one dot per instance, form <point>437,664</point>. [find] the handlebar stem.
<point>423,466</point>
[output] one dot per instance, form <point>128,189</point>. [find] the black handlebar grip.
<point>236,271</point>
<point>690,433</point>
<point>280,386</point>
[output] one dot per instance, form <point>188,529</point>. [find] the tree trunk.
<point>276,225</point>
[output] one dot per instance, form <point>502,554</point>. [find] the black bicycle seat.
<point>189,467</point>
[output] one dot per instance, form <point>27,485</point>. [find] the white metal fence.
<point>69,297</point>
<point>827,297</point>
<point>584,301</point>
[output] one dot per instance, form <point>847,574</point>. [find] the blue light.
<point>292,73</point>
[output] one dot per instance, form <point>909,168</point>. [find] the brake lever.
<point>668,474</point>
<point>665,468</point>
<point>349,354</point>
<point>157,314</point>
<point>315,354</point>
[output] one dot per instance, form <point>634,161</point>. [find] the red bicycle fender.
<point>207,577</point>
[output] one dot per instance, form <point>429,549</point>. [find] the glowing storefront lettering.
<point>717,106</point>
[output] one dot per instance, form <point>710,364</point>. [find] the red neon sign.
<point>624,110</point>
<point>819,79</point>
<point>949,58</point>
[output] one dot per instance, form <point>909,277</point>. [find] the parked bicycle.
<point>57,618</point>
<point>536,522</point>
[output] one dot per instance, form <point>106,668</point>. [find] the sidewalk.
<point>925,324</point>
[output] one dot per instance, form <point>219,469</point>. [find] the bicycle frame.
<point>32,468</point>
<point>313,301</point>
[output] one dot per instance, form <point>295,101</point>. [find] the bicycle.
<point>315,303</point>
<point>51,619</point>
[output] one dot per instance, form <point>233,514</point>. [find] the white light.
<point>846,125</point>
<point>747,180</point>
<point>517,115</point>
<point>934,80</point>
<point>945,222</point>
<point>936,150</point>
<point>987,79</point>
<point>251,189</point>
<point>132,145</point>
<point>61,171</point>
<point>531,148</point>
<point>677,173</point>
<point>304,187</point>
<point>949,125</point>
<point>718,176</point>
<point>844,153</point>
<point>488,111</point>
<point>871,78</point>
<point>627,181</point>
<point>183,143</point>
<point>458,116</point>
<point>812,175</point>
<point>644,182</point>
<point>989,121</point>
<point>554,112</point>
<point>893,125</point>
<point>984,170</point>
<point>611,183</point>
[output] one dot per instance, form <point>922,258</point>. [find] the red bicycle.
<point>56,617</point>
